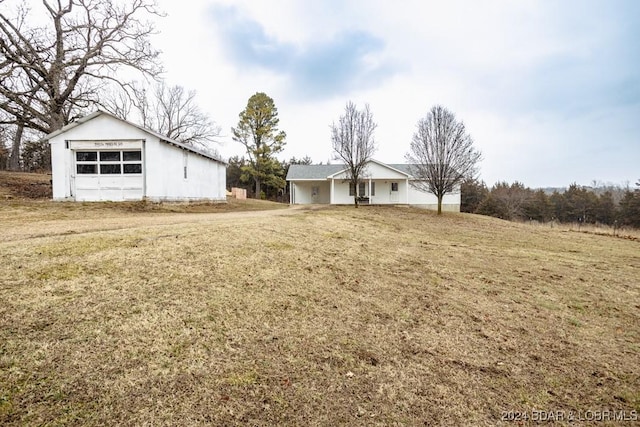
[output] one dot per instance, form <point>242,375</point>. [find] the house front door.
<point>393,194</point>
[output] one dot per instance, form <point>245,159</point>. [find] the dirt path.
<point>95,223</point>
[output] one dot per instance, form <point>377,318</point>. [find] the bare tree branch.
<point>169,110</point>
<point>49,73</point>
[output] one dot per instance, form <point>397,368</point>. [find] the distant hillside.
<point>25,185</point>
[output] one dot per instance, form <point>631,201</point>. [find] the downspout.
<point>144,169</point>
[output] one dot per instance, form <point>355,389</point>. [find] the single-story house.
<point>381,184</point>
<point>101,157</point>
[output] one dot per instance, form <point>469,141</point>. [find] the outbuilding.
<point>101,157</point>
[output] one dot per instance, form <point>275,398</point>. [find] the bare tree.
<point>441,154</point>
<point>49,74</point>
<point>169,110</point>
<point>353,143</point>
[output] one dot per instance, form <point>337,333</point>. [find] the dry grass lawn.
<point>374,316</point>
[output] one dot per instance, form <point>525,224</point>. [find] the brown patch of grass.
<point>24,185</point>
<point>338,316</point>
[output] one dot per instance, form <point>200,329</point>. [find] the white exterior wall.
<point>384,195</point>
<point>206,179</point>
<point>450,202</point>
<point>383,192</point>
<point>162,163</point>
<point>341,193</point>
<point>303,192</point>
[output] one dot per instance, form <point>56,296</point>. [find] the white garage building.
<point>101,157</point>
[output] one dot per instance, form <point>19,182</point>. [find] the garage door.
<point>102,175</point>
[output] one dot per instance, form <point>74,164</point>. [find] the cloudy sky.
<point>549,90</point>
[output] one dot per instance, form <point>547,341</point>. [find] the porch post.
<point>331,197</point>
<point>407,190</point>
<point>370,199</point>
<point>292,197</point>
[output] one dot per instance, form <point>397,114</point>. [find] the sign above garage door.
<point>105,144</point>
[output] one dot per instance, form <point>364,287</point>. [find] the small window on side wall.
<point>394,186</point>
<point>185,156</point>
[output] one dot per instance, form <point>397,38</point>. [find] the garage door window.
<point>108,162</point>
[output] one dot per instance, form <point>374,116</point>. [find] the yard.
<point>374,316</point>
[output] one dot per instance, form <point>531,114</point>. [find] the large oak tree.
<point>51,71</point>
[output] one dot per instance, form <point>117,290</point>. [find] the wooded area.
<point>600,204</point>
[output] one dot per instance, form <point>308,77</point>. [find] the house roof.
<point>161,137</point>
<point>322,172</point>
<point>310,172</point>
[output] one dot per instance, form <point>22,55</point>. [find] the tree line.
<point>600,204</point>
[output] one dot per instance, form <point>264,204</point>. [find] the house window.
<point>373,188</point>
<point>361,189</point>
<point>108,162</point>
<point>352,189</point>
<point>394,186</point>
<point>315,191</point>
<point>184,163</point>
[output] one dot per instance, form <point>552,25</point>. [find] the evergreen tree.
<point>258,131</point>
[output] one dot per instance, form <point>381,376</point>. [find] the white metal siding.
<point>162,163</point>
<point>165,174</point>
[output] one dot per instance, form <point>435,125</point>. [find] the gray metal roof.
<point>322,172</point>
<point>319,172</point>
<point>149,131</point>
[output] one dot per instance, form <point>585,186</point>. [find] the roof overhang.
<point>161,137</point>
